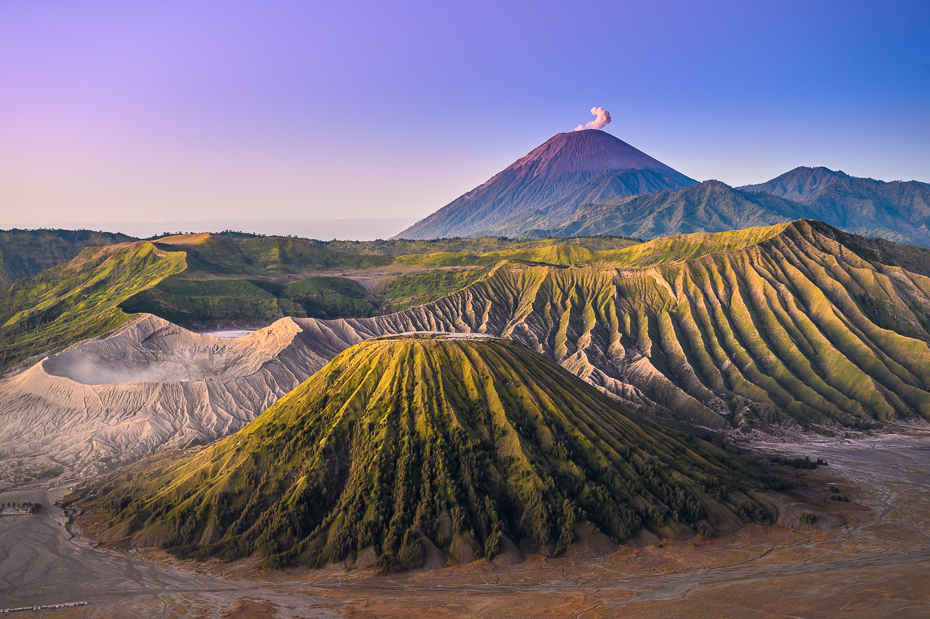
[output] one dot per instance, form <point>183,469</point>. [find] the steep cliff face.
<point>551,175</point>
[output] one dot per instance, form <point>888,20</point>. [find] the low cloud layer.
<point>603,118</point>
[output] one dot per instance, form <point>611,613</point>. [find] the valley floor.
<point>875,566</point>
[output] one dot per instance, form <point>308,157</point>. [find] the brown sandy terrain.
<point>876,565</point>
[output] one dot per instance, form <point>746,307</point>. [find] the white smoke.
<point>603,117</point>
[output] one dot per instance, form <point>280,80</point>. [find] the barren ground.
<point>875,566</point>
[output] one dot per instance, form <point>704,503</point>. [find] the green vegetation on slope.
<point>209,281</point>
<point>192,303</point>
<point>897,211</point>
<point>469,245</point>
<point>689,246</point>
<point>403,444</point>
<point>214,255</point>
<point>408,290</point>
<point>24,253</point>
<point>793,324</point>
<point>77,300</point>
<point>272,264</point>
<point>710,206</point>
<point>200,304</point>
<point>335,297</point>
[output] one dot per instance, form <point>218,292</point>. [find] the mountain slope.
<point>600,188</point>
<point>549,173</point>
<point>404,447</point>
<point>769,328</point>
<point>798,182</point>
<point>25,253</point>
<point>192,278</point>
<point>211,255</point>
<point>252,282</point>
<point>792,324</point>
<point>898,211</point>
<point>710,206</point>
<point>79,299</point>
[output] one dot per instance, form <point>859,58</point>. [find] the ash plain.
<point>875,565</point>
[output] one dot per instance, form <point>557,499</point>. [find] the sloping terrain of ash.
<point>150,385</point>
<point>792,327</point>
<point>416,449</point>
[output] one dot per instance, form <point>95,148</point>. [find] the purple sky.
<point>232,111</point>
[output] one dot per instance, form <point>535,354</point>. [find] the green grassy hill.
<point>216,281</point>
<point>253,281</point>
<point>78,299</point>
<point>404,445</point>
<point>213,255</point>
<point>25,253</point>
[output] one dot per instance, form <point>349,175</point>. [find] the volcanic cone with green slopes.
<point>411,443</point>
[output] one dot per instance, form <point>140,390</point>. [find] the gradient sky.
<point>116,111</point>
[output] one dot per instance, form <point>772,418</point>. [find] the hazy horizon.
<point>210,111</point>
<point>343,229</point>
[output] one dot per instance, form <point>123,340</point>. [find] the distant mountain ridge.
<point>548,174</point>
<point>800,181</point>
<point>711,206</point>
<point>898,211</point>
<point>591,183</point>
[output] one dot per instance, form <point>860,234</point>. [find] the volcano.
<point>412,448</point>
<point>565,172</point>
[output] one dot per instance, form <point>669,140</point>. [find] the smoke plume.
<point>603,117</point>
